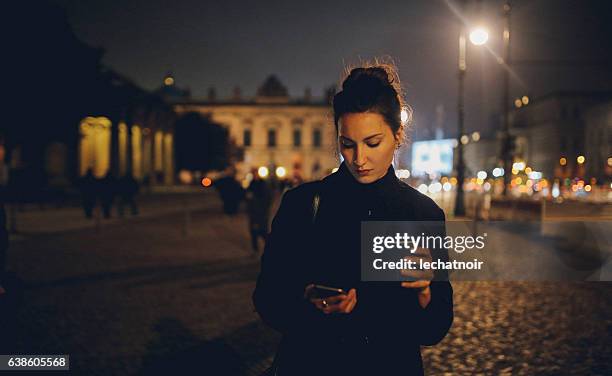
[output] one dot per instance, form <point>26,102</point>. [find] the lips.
<point>363,172</point>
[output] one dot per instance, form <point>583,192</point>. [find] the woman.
<point>376,327</point>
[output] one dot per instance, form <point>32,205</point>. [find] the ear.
<point>398,139</point>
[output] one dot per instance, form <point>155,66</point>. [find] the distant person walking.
<point>87,186</point>
<point>259,200</point>
<point>106,191</point>
<point>231,192</point>
<point>128,188</point>
<point>10,293</point>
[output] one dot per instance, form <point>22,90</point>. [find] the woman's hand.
<point>421,278</point>
<point>342,303</point>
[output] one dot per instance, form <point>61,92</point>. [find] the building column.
<point>122,148</point>
<point>136,152</point>
<point>95,146</point>
<point>114,152</point>
<point>146,155</point>
<point>168,154</point>
<point>158,155</point>
<point>128,143</point>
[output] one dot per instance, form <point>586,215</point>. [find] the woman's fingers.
<point>417,274</point>
<point>332,300</point>
<point>337,304</point>
<point>352,301</point>
<point>324,304</point>
<point>349,303</point>
<point>420,254</point>
<point>336,299</point>
<point>321,304</point>
<point>416,284</point>
<point>416,259</point>
<point>423,252</point>
<point>353,294</point>
<point>342,307</point>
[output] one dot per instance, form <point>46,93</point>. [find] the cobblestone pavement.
<point>144,299</point>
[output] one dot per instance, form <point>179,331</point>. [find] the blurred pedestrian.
<point>230,191</point>
<point>88,187</point>
<point>11,288</point>
<point>259,200</point>
<point>127,189</point>
<point>107,187</point>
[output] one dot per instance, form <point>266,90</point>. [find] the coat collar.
<point>386,183</point>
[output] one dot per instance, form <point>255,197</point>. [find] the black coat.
<point>384,332</point>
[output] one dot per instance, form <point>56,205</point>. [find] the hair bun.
<point>367,78</point>
<point>372,88</point>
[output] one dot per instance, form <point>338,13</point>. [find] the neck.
<point>387,178</point>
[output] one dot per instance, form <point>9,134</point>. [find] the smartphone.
<point>322,292</point>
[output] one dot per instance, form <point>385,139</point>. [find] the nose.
<point>359,159</point>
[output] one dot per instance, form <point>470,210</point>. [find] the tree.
<point>201,144</point>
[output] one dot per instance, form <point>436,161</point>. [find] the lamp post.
<point>478,36</point>
<point>459,201</point>
<point>506,147</point>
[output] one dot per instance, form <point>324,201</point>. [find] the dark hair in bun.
<point>372,88</point>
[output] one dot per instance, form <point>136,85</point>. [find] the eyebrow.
<point>365,139</point>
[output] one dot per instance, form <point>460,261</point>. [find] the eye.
<point>346,144</point>
<point>373,145</point>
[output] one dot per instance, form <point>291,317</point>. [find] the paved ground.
<point>137,295</point>
<point>32,219</point>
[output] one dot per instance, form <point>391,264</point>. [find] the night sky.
<point>307,44</point>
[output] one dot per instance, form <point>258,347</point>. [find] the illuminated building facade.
<point>554,131</point>
<point>297,136</point>
<point>138,140</point>
<point>598,155</point>
<point>79,115</point>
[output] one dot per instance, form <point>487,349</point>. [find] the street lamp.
<point>459,204</point>
<point>263,171</point>
<point>479,36</point>
<point>506,147</point>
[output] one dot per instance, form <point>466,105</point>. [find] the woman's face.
<point>367,144</point>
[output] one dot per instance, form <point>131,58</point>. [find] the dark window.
<point>246,137</point>
<point>271,138</point>
<point>297,137</point>
<point>316,138</point>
